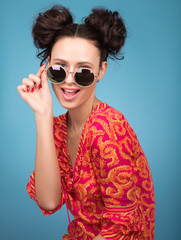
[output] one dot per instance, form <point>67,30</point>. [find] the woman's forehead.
<point>70,48</point>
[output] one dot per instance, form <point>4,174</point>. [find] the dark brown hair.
<point>105,28</point>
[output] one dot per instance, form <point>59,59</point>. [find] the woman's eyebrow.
<point>85,62</point>
<point>60,60</point>
<point>78,63</point>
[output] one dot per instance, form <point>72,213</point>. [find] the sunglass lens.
<point>56,74</point>
<point>84,77</point>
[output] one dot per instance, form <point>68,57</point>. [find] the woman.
<point>89,158</point>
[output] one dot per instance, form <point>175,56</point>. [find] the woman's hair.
<point>105,28</point>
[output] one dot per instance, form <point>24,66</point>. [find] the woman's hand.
<point>35,92</point>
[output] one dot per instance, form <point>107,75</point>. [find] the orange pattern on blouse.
<point>110,190</point>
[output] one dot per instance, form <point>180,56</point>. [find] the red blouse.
<point>110,190</point>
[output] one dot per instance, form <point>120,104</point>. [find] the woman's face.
<point>72,54</point>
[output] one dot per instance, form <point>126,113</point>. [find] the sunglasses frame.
<point>73,74</point>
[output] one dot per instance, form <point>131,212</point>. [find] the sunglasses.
<point>83,76</point>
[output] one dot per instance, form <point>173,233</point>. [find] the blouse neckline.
<point>97,107</point>
<point>74,173</point>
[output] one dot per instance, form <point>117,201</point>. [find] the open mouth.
<point>69,94</point>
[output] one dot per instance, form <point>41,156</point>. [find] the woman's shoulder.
<point>111,122</point>
<point>61,119</point>
<point>59,124</point>
<point>104,113</point>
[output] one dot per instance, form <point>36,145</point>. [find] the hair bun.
<point>111,29</point>
<point>47,23</point>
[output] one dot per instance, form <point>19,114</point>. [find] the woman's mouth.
<point>69,94</point>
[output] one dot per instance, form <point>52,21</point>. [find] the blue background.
<point>145,87</point>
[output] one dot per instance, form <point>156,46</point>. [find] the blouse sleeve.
<point>117,156</point>
<point>31,184</point>
<point>31,191</point>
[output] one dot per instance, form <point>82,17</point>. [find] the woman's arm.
<point>36,93</point>
<point>47,173</point>
<point>124,178</point>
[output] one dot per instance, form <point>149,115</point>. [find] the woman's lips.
<point>69,93</point>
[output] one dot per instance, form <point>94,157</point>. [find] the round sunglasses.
<point>83,76</point>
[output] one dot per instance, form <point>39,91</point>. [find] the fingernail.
<point>42,65</point>
<point>27,90</point>
<point>39,86</point>
<point>32,90</point>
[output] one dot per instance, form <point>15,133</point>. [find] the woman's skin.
<point>72,53</point>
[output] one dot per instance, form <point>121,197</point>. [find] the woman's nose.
<point>70,77</point>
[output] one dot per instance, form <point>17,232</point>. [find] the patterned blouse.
<point>110,190</point>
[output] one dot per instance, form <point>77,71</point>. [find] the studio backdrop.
<point>145,87</point>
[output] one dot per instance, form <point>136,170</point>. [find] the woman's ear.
<point>102,70</point>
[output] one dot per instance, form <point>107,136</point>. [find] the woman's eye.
<point>61,64</point>
<point>80,70</point>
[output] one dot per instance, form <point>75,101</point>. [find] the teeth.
<point>70,91</point>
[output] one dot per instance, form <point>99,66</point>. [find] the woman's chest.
<point>73,142</point>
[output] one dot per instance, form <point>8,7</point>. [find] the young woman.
<point>89,158</point>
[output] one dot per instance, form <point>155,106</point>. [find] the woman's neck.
<point>77,117</point>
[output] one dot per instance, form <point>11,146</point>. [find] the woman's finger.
<point>35,79</point>
<point>44,80</point>
<point>22,89</point>
<point>42,68</point>
<point>30,85</point>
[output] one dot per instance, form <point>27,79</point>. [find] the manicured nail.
<point>42,65</point>
<point>32,90</point>
<point>27,90</point>
<point>39,86</point>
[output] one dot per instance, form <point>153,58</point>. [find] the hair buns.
<point>105,28</point>
<point>110,27</point>
<point>47,24</point>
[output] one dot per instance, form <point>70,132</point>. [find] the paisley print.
<point>110,191</point>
